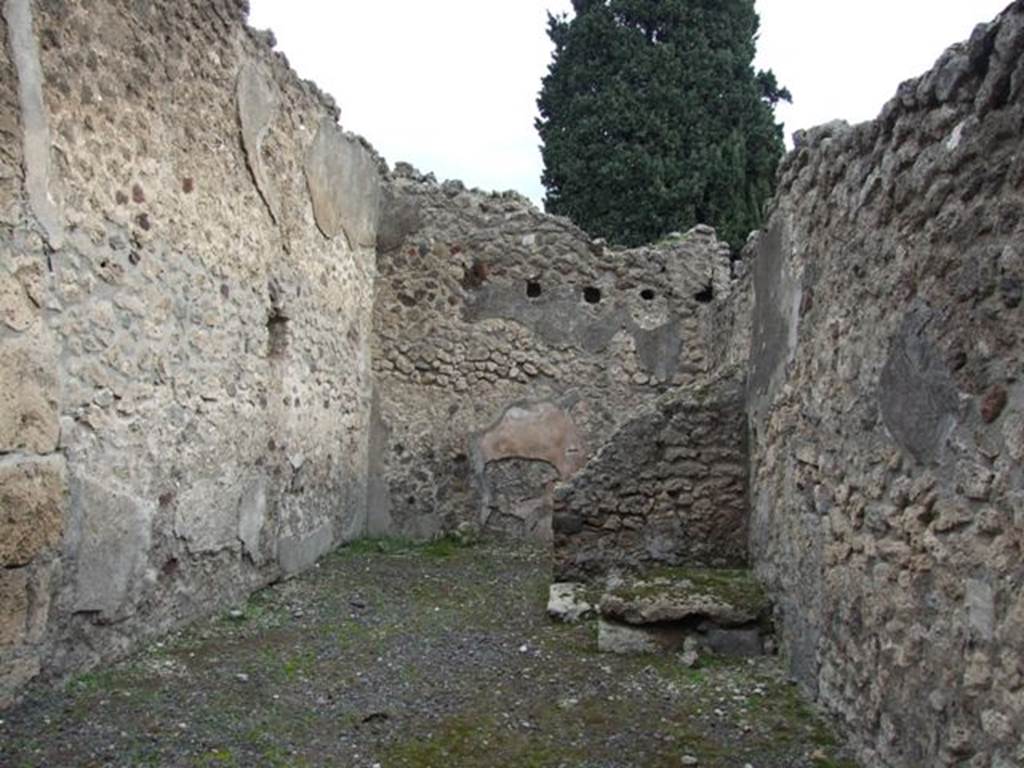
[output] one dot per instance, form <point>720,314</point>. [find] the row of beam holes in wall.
<point>592,295</point>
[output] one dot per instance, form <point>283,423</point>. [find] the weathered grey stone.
<point>109,547</point>
<point>917,396</point>
<point>298,552</point>
<point>400,217</point>
<point>487,307</point>
<point>258,101</point>
<point>567,524</point>
<point>13,606</point>
<point>888,557</point>
<point>981,608</point>
<point>567,602</point>
<point>206,519</point>
<point>379,521</point>
<point>1013,435</point>
<point>724,612</point>
<point>28,394</point>
<point>719,598</point>
<point>252,514</point>
<point>41,183</point>
<point>613,637</point>
<point>16,309</point>
<point>33,495</point>
<point>15,672</point>
<point>344,183</point>
<point>776,314</point>
<point>734,642</point>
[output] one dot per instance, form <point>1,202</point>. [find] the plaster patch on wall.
<point>252,514</point>
<point>518,459</point>
<point>917,396</point>
<point>344,183</point>
<point>258,100</point>
<point>40,180</point>
<point>298,552</point>
<point>777,299</point>
<point>557,317</point>
<point>110,546</point>
<point>540,431</point>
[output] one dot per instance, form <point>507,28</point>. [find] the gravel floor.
<point>390,655</point>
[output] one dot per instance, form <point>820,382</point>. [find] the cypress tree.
<point>653,119</point>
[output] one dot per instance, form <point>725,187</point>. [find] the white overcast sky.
<point>451,85</point>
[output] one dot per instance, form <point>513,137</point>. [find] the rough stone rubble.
<point>887,434</point>
<point>186,319</point>
<point>231,338</point>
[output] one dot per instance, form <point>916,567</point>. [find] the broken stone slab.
<point>252,514</point>
<point>723,612</point>
<point>299,552</point>
<point>567,601</point>
<point>726,598</point>
<point>110,546</point>
<point>734,641</point>
<point>204,520</point>
<point>628,639</point>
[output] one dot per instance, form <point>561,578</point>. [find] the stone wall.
<point>669,488</point>
<point>186,271</point>
<point>509,346</point>
<point>886,413</point>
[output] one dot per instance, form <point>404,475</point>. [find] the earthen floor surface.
<point>395,655</point>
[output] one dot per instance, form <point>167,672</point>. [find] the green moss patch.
<point>734,587</point>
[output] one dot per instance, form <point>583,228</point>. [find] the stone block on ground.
<point>628,639</point>
<point>724,597</point>
<point>569,602</point>
<point>721,611</point>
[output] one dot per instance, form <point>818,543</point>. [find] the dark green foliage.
<point>653,119</point>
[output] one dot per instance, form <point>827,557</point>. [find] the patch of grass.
<point>217,757</point>
<point>259,612</point>
<point>442,547</point>
<point>264,742</point>
<point>284,664</point>
<point>376,545</point>
<point>670,669</point>
<point>93,682</point>
<point>146,755</point>
<point>299,665</point>
<point>479,741</point>
<point>693,741</point>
